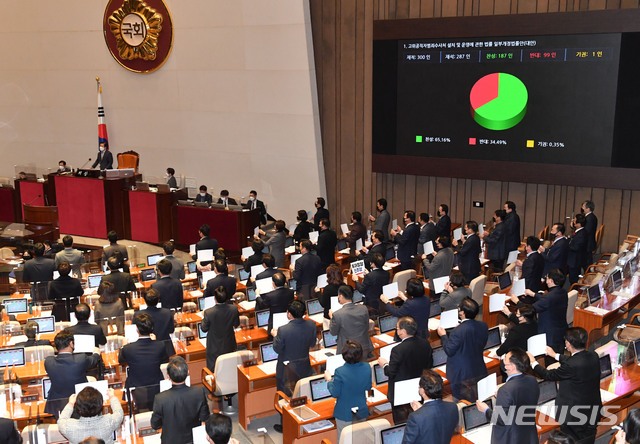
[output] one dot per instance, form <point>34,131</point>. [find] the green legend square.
<point>418,139</point>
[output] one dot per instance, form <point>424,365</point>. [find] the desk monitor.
<point>153,259</point>
<point>148,274</point>
<point>185,203</point>
<point>46,324</point>
<point>392,435</point>
<point>203,205</point>
<point>262,318</point>
<point>314,307</point>
<point>636,348</point>
<point>243,275</point>
<point>251,294</point>
<point>289,242</point>
<point>142,186</point>
<point>616,279</point>
<point>494,338</point>
<point>435,309</point>
<point>201,334</point>
<point>267,353</point>
<point>12,356</point>
<point>605,366</point>
<point>93,280</point>
<point>357,297</point>
<point>594,294</point>
<point>163,188</point>
<point>378,372</point>
<point>548,391</point>
<point>46,386</point>
<point>319,389</point>
<point>15,306</point>
<point>387,323</point>
<point>390,254</point>
<point>205,302</point>
<point>439,356</point>
<point>473,418</point>
<point>191,267</point>
<point>235,207</point>
<point>504,281</point>
<point>329,340</point>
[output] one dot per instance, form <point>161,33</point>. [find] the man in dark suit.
<point>225,199</point>
<point>220,321</point>
<point>222,279</point>
<point>83,312</point>
<point>122,281</point>
<point>520,394</point>
<point>464,347</point>
<point>435,420</point>
<point>30,331</point>
<point>144,358</point>
<point>205,242</point>
<point>306,270</point>
<point>40,268</point>
<point>378,247</point>
<point>383,220</point>
<point>255,203</point>
<point>407,240</point>
<point>163,324</point>
<point>552,309</point>
<point>181,408</point>
<point>512,226</point>
<point>579,385</point>
<point>278,300</point>
<point>113,248</point>
<point>351,322</point>
<point>170,289</point>
<point>372,283</point>
<point>443,227</point>
<point>203,196</point>
<point>104,158</point>
<point>496,242</point>
<point>177,266</point>
<point>65,370</point>
<point>578,253</point>
<point>416,305</point>
<point>532,266</point>
<point>326,245</point>
<point>408,360</point>
<point>469,251</point>
<point>256,258</point>
<point>8,432</point>
<point>358,231</point>
<point>65,291</point>
<point>427,231</point>
<point>556,255</point>
<point>269,264</point>
<point>590,226</point>
<point>321,213</point>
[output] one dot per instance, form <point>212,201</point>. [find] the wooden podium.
<point>43,221</point>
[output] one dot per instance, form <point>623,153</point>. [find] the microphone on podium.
<point>84,164</point>
<point>31,201</point>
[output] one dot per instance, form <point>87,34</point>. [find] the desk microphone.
<point>31,201</point>
<point>84,164</point>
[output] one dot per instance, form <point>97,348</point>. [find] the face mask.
<point>101,148</point>
<point>251,198</point>
<point>203,194</point>
<point>60,167</point>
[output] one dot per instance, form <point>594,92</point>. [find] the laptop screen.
<point>153,259</point>
<point>605,366</point>
<point>148,274</point>
<point>267,353</point>
<point>616,278</point>
<point>341,245</point>
<point>319,389</point>
<point>46,386</point>
<point>314,307</point>
<point>504,281</point>
<point>262,318</point>
<point>494,338</point>
<point>45,324</point>
<point>387,323</point>
<point>243,275</point>
<point>392,435</point>
<point>357,297</point>
<point>435,309</point>
<point>14,306</point>
<point>251,294</point>
<point>191,266</point>
<point>473,418</point>
<point>439,357</point>
<point>206,302</point>
<point>93,280</point>
<point>594,294</point>
<point>11,356</point>
<point>390,254</point>
<point>328,339</point>
<point>293,284</point>
<point>548,391</point>
<point>378,372</point>
<point>201,334</point>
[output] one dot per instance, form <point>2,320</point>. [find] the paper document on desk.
<point>537,344</point>
<point>480,435</point>
<point>385,338</point>
<point>607,396</point>
<point>597,310</point>
<point>323,354</point>
<point>378,396</point>
<point>269,368</point>
<point>247,305</point>
<point>622,295</point>
<point>196,293</point>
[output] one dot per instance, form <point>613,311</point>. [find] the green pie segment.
<point>498,101</point>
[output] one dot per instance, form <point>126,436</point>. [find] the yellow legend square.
<point>530,143</point>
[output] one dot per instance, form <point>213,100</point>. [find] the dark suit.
<point>532,269</point>
<point>65,371</point>
<point>61,289</point>
<point>208,198</point>
<point>112,249</point>
<point>122,281</point>
<point>371,287</point>
<point>254,259</point>
<point>512,227</point>
<point>427,233</point>
<point>556,255</point>
<point>358,231</point>
<point>352,322</point>
<point>496,243</point>
<point>220,321</point>
<point>307,269</point>
<point>277,301</point>
<point>591,226</point>
<point>465,364</point>
<point>206,243</point>
<point>579,385</point>
<point>230,201</point>
<point>38,269</point>
<point>105,159</point>
<point>260,206</point>
<point>33,343</point>
<point>170,289</point>
<point>221,280</point>
<point>518,335</point>
<point>552,316</point>
<point>326,247</point>
<point>380,248</point>
<point>434,423</point>
<point>302,231</point>
<point>177,267</point>
<point>292,343</point>
<point>172,182</point>
<point>418,308</point>
<point>321,213</point>
<point>144,358</point>
<point>578,254</point>
<point>177,411</point>
<point>408,360</point>
<point>407,245</point>
<point>8,432</point>
<point>163,324</point>
<point>84,328</point>
<point>443,227</point>
<point>267,273</point>
<point>521,393</point>
<point>469,257</point>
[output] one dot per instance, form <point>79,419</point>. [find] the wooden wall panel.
<point>342,38</point>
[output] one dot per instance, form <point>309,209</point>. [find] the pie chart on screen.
<point>498,101</point>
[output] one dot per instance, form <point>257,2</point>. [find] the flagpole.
<point>102,126</point>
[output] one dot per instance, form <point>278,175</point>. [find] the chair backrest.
<point>7,327</point>
<point>303,388</point>
<point>571,305</point>
<point>362,432</point>
<point>143,420</point>
<point>51,432</point>
<point>510,268</point>
<point>544,233</point>
<point>114,342</point>
<point>6,252</point>
<point>403,277</point>
<point>183,332</point>
<point>599,234</point>
<point>477,288</point>
<point>226,371</point>
<point>128,159</point>
<point>163,369</point>
<point>38,353</point>
<point>128,315</point>
<point>189,307</point>
<point>61,325</point>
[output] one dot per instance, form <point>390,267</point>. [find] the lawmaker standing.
<point>219,321</point>
<point>105,158</point>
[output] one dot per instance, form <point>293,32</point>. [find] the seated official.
<point>171,180</point>
<point>30,331</point>
<point>177,266</point>
<point>83,327</point>
<point>63,168</point>
<point>225,199</point>
<point>92,422</point>
<point>222,279</point>
<point>256,258</point>
<point>109,309</point>
<point>170,289</point>
<point>454,291</point>
<point>163,322</point>
<point>203,196</point>
<point>630,432</point>
<point>219,429</point>
<point>63,288</point>
<point>178,410</point>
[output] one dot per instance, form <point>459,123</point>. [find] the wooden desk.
<point>256,391</point>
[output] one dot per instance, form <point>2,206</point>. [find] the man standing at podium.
<point>105,158</point>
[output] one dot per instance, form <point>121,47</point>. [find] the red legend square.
<point>472,140</point>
